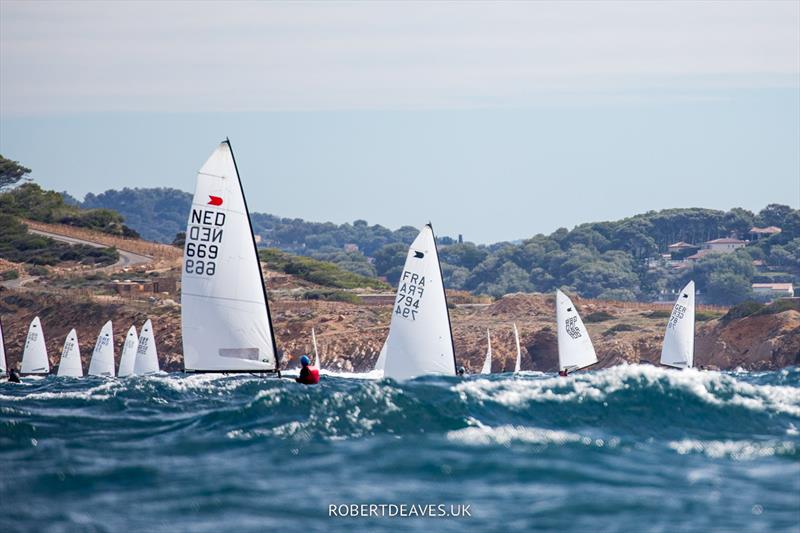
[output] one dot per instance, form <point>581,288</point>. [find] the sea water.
<point>630,448</point>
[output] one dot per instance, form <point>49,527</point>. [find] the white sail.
<point>127,360</point>
<point>678,347</point>
<point>34,357</point>
<point>70,363</point>
<point>3,366</point>
<point>102,363</point>
<point>420,341</point>
<point>146,354</point>
<point>316,352</point>
<point>380,364</point>
<point>224,315</point>
<point>575,349</point>
<point>518,362</point>
<point>487,362</point>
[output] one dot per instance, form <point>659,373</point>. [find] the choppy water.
<point>632,448</point>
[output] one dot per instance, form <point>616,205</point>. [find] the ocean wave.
<point>737,450</point>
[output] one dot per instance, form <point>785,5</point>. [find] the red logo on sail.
<point>214,200</point>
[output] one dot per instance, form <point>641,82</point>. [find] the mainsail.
<point>316,352</point>
<point>575,349</point>
<point>34,357</point>
<point>518,362</point>
<point>146,354</point>
<point>70,363</point>
<point>224,313</point>
<point>487,362</point>
<point>380,364</point>
<point>3,366</point>
<point>420,340</point>
<point>102,363</point>
<point>127,360</point>
<point>678,347</point>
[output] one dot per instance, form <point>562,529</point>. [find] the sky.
<point>492,120</point>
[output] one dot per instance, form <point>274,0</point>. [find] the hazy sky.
<point>495,120</point>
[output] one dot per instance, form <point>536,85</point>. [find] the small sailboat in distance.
<point>127,360</point>
<point>316,351</point>
<point>102,363</point>
<point>487,362</point>
<point>420,339</point>
<point>70,363</point>
<point>34,356</point>
<point>146,354</point>
<point>678,348</point>
<point>225,315</point>
<point>3,365</point>
<point>518,363</point>
<point>575,349</point>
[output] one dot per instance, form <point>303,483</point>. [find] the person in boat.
<point>308,374</point>
<point>563,373</point>
<point>13,375</point>
<point>461,371</point>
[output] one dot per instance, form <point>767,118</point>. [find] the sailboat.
<point>575,349</point>
<point>487,362</point>
<point>518,362</point>
<point>380,364</point>
<point>678,347</point>
<point>3,365</point>
<point>316,351</point>
<point>420,339</point>
<point>34,356</point>
<point>102,363</point>
<point>127,360</point>
<point>70,363</point>
<point>146,354</point>
<point>224,311</point>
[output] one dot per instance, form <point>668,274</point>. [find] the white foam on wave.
<point>739,450</point>
<point>712,387</point>
<point>506,435</point>
<point>99,392</point>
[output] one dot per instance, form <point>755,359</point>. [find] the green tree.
<point>11,172</point>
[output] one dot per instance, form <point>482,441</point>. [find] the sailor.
<point>308,374</point>
<point>461,371</point>
<point>13,375</point>
<point>562,373</point>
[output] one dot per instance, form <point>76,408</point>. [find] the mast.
<point>446,306</point>
<point>258,262</point>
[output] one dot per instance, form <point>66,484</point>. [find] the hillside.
<point>627,259</point>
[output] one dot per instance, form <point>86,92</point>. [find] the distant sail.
<point>678,347</point>
<point>575,349</point>
<point>224,313</point>
<point>3,365</point>
<point>316,352</point>
<point>70,363</point>
<point>380,364</point>
<point>102,363</point>
<point>518,363</point>
<point>127,360</point>
<point>420,341</point>
<point>146,354</point>
<point>487,362</point>
<point>34,357</point>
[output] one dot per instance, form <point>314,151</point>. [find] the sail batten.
<point>420,340</point>
<point>70,363</point>
<point>34,356</point>
<point>575,349</point>
<point>678,347</point>
<point>224,309</point>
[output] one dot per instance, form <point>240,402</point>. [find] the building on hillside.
<point>724,245</point>
<point>133,287</point>
<point>769,231</point>
<point>350,247</point>
<point>681,250</point>
<point>769,291</point>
